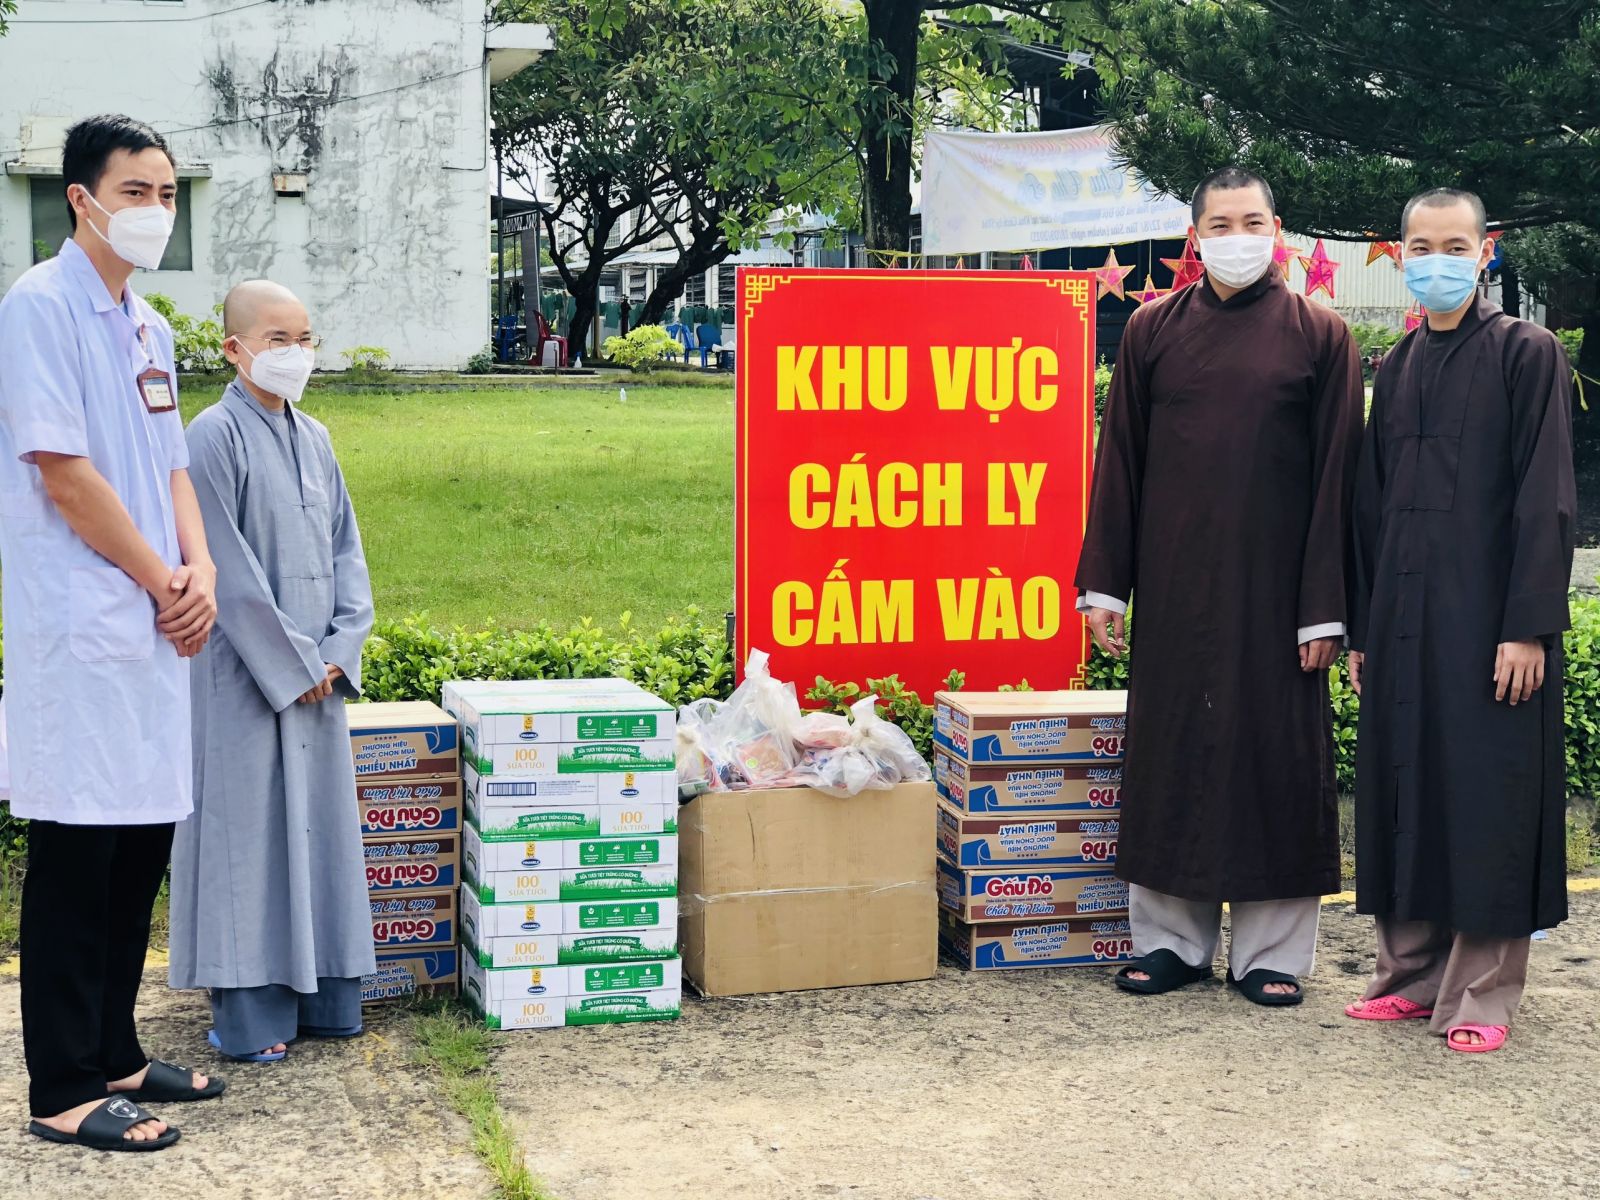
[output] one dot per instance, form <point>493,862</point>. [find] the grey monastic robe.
<point>268,885</point>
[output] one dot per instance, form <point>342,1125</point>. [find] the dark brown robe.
<point>1464,534</point>
<point>1221,502</point>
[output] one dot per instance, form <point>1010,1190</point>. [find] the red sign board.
<point>912,474</point>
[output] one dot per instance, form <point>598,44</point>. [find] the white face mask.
<point>138,235</point>
<point>1237,259</point>
<point>283,372</point>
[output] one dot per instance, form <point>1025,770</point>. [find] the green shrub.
<point>1102,389</point>
<point>196,342</point>
<point>1572,342</point>
<point>482,362</point>
<point>367,359</point>
<point>643,349</point>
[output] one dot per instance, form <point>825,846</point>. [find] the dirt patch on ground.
<point>1050,1084</point>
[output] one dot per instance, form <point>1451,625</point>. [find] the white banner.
<point>1033,191</point>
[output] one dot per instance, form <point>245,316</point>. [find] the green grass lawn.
<point>550,503</point>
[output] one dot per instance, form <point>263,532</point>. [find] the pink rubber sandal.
<point>1494,1036</point>
<point>1387,1008</point>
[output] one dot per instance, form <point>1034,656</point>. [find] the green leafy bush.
<point>643,349</point>
<point>1102,389</point>
<point>482,362</point>
<point>1572,342</point>
<point>196,341</point>
<point>367,358</point>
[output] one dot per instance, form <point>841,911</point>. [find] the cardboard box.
<point>1030,727</point>
<point>790,888</point>
<point>585,885</point>
<point>1030,893</point>
<point>1008,946</point>
<point>390,808</point>
<point>414,919</point>
<point>489,854</point>
<point>558,710</point>
<point>552,761</point>
<point>412,864</point>
<point>411,973</point>
<point>554,1012</point>
<point>518,983</point>
<point>555,950</point>
<point>1039,839</point>
<point>572,821</point>
<point>488,792</point>
<point>480,921</point>
<point>1032,788</point>
<point>410,738</point>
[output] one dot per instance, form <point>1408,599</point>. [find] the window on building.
<point>694,291</point>
<point>52,226</point>
<point>726,284</point>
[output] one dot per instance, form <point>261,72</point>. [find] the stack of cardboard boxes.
<point>569,903</point>
<point>1030,787</point>
<point>408,786</point>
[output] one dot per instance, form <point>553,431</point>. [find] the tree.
<point>684,118</point>
<point>1349,109</point>
<point>7,8</point>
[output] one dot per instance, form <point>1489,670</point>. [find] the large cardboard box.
<point>395,807</point>
<point>1001,947</point>
<point>789,888</point>
<point>404,973</point>
<point>1027,788</point>
<point>1037,840</point>
<point>410,919</point>
<point>1030,893</point>
<point>411,738</point>
<point>412,864</point>
<point>1031,727</point>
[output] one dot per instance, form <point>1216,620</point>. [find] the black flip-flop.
<point>1253,987</point>
<point>1167,973</point>
<point>165,1083</point>
<point>104,1127</point>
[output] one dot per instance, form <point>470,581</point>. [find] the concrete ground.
<point>1050,1084</point>
<point>966,1087</point>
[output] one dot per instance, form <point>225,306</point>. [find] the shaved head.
<point>259,307</point>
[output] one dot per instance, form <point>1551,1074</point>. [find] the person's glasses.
<point>311,341</point>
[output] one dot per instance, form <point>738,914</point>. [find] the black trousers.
<point>86,904</point>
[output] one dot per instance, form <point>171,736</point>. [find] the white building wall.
<point>382,104</point>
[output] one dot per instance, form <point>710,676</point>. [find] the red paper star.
<point>1319,270</point>
<point>1283,254</point>
<point>1187,268</point>
<point>1377,250</point>
<point>1109,277</point>
<point>1148,292</point>
<point>1415,315</point>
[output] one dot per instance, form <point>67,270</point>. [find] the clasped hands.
<point>188,611</point>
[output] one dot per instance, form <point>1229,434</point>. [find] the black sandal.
<point>1167,973</point>
<point>1253,987</point>
<point>104,1127</point>
<point>165,1083</point>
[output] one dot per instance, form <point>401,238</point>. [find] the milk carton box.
<point>516,983</point>
<point>1009,945</point>
<point>559,950</point>
<point>1027,787</point>
<point>487,854</point>
<point>480,921</point>
<point>1032,727</point>
<point>405,973</point>
<point>554,1012</point>
<point>572,821</point>
<point>546,728</point>
<point>1030,893</point>
<point>489,792</point>
<point>1034,839</point>
<point>580,886</point>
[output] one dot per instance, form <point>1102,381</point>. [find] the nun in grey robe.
<point>269,904</point>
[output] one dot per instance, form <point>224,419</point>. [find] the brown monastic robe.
<point>1221,498</point>
<point>1464,534</point>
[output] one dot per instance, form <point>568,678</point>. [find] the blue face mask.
<point>1441,282</point>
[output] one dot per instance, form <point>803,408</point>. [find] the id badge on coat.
<point>155,389</point>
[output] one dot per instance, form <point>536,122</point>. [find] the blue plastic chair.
<point>505,337</point>
<point>709,337</point>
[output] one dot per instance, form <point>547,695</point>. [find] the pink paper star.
<point>1148,292</point>
<point>1319,270</point>
<point>1186,268</point>
<point>1283,254</point>
<point>1109,277</point>
<point>1027,262</point>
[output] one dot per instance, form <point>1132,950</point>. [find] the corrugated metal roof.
<point>1355,284</point>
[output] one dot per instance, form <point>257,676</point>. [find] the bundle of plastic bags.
<point>760,738</point>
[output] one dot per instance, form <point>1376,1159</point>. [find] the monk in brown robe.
<point>1464,534</point>
<point>1221,500</point>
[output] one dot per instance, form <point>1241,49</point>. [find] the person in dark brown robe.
<point>1220,505</point>
<point>1465,513</point>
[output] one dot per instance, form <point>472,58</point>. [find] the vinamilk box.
<point>554,1012</point>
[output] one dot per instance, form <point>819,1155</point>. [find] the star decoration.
<point>1284,254</point>
<point>1187,268</point>
<point>1377,250</point>
<point>1319,270</point>
<point>1109,277</point>
<point>1148,292</point>
<point>1415,315</point>
<point>1027,262</point>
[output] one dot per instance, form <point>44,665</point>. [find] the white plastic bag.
<point>879,755</point>
<point>755,731</point>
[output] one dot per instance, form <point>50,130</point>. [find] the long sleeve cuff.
<point>1311,633</point>
<point>343,650</point>
<point>1088,600</point>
